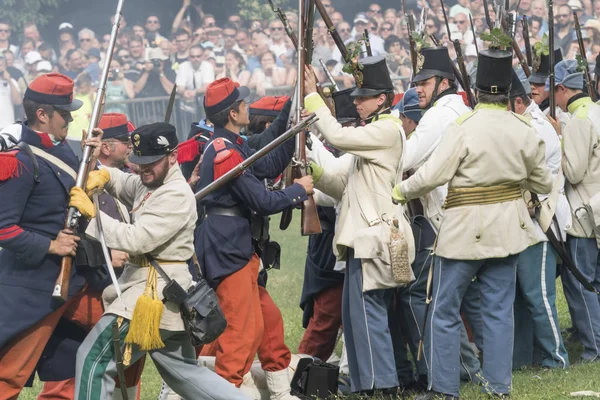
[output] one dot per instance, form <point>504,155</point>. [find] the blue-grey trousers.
<point>584,305</point>
<point>406,325</point>
<point>536,319</point>
<point>366,332</point>
<point>451,278</point>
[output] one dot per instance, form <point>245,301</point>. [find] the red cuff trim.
<point>10,232</point>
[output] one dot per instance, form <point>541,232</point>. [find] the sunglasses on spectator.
<point>85,40</point>
<point>345,30</point>
<point>374,10</point>
<point>461,21</point>
<point>4,30</point>
<point>383,28</point>
<point>276,28</point>
<point>563,15</point>
<point>195,56</point>
<point>152,21</point>
<point>212,24</point>
<point>228,36</point>
<point>430,25</point>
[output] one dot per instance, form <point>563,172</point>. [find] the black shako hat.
<point>516,88</point>
<point>152,142</point>
<point>373,78</point>
<point>541,66</point>
<point>433,61</point>
<point>345,110</point>
<point>494,71</point>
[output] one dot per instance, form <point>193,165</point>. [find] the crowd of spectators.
<point>194,49</point>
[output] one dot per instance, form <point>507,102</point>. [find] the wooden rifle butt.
<point>310,218</point>
<point>61,287</point>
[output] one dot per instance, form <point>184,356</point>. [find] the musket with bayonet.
<point>583,59</point>
<point>61,287</point>
<point>474,35</point>
<point>552,100</point>
<point>528,54</point>
<point>462,73</point>
<point>285,22</point>
<point>410,27</point>
<point>329,76</point>
<point>248,162</point>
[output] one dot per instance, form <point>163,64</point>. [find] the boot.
<point>278,383</point>
<point>131,393</point>
<point>166,393</point>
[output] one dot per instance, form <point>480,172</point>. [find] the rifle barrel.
<point>474,35</point>
<point>528,54</point>
<point>583,55</point>
<point>61,288</point>
<point>552,104</point>
<point>241,167</point>
<point>463,71</point>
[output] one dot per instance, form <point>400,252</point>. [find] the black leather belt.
<point>226,211</point>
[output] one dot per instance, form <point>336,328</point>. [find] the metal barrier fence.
<point>142,111</point>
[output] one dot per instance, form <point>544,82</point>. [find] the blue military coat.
<point>224,243</point>
<point>31,215</point>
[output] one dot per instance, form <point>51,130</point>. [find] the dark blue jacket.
<point>224,243</point>
<point>31,215</point>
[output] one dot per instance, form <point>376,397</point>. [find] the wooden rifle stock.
<point>410,26</point>
<point>582,53</point>
<point>61,287</point>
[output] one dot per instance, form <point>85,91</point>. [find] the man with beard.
<point>565,32</point>
<point>158,194</point>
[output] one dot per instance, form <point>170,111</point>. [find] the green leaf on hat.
<point>542,47</point>
<point>497,39</point>
<point>354,51</point>
<point>581,63</point>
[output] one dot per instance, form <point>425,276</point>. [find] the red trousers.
<point>20,357</point>
<point>235,348</point>
<point>321,333</point>
<point>273,354</point>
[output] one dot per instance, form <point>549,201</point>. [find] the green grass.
<point>285,287</point>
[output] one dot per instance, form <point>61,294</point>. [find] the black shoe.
<point>417,387</point>
<point>431,395</point>
<point>393,393</point>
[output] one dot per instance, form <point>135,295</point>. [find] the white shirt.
<point>191,79</point>
<point>424,140</point>
<point>553,160</point>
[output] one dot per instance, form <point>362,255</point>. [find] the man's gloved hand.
<point>398,196</point>
<point>315,170</point>
<point>82,202</point>
<point>96,181</point>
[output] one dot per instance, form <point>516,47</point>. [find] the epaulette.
<point>522,119</point>
<point>461,120</point>
<point>225,159</point>
<point>10,166</point>
<point>190,149</point>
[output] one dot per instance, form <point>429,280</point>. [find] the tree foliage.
<point>20,12</point>
<point>260,10</point>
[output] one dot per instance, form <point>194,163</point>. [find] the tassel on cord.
<point>188,151</point>
<point>145,322</point>
<point>10,166</point>
<point>225,161</point>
